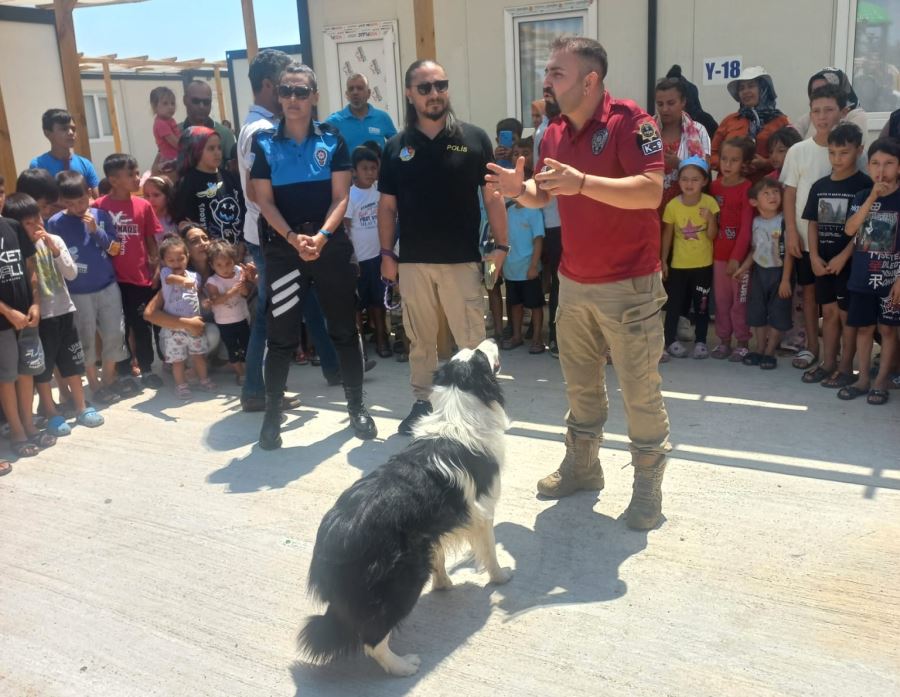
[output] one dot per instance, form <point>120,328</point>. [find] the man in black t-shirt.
<point>431,173</point>
<point>830,251</point>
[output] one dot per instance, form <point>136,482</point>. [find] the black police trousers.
<point>288,279</point>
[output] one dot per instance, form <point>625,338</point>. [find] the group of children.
<point>819,222</point>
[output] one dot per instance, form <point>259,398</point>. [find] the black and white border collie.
<point>387,533</point>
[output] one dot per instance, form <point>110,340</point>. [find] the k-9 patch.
<point>648,138</point>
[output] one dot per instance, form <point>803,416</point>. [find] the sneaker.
<point>151,380</point>
<point>700,351</point>
<point>419,409</point>
<point>554,348</point>
<point>677,350</point>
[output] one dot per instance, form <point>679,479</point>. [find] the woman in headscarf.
<point>855,113</point>
<point>757,117</point>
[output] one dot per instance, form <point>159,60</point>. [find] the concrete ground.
<point>164,554</point>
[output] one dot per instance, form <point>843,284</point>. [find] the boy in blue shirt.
<point>59,129</point>
<point>90,235</point>
<point>522,274</point>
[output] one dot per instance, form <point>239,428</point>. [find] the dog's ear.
<point>474,376</point>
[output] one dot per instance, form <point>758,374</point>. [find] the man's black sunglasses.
<point>199,101</point>
<point>440,86</point>
<point>298,91</point>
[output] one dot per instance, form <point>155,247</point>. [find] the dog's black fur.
<point>374,550</point>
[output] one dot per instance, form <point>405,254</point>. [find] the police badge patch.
<point>598,141</point>
<point>321,156</point>
<point>648,138</point>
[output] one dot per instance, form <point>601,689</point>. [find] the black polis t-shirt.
<point>436,185</point>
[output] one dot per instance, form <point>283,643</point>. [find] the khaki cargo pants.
<point>427,289</point>
<point>625,318</point>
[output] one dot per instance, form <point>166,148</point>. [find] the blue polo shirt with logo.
<point>76,163</point>
<point>300,172</point>
<point>375,125</point>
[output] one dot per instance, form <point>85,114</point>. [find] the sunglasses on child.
<point>296,91</point>
<point>440,86</point>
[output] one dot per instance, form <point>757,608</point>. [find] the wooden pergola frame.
<point>142,64</point>
<point>71,67</point>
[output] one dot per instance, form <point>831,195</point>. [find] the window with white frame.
<point>529,32</point>
<point>867,46</point>
<point>96,113</point>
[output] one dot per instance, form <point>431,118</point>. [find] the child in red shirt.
<point>165,128</point>
<point>730,288</point>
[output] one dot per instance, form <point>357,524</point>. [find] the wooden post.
<point>7,159</point>
<point>111,102</point>
<point>423,11</point>
<point>217,72</point>
<point>250,29</point>
<point>71,72</point>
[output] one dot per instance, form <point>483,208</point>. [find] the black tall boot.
<point>362,423</point>
<point>270,433</point>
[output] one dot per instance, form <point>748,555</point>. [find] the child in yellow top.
<point>689,228</point>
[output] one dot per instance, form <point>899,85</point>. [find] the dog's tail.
<point>327,637</point>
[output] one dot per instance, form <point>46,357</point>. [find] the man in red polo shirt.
<point>603,160</point>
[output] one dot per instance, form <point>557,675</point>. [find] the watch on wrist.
<point>502,247</point>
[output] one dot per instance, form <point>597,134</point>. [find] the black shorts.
<point>867,310</point>
<point>832,288</point>
<point>235,336</point>
<point>528,293</point>
<point>803,271</point>
<point>551,252</point>
<point>62,347</point>
<point>764,306</point>
<point>369,286</point>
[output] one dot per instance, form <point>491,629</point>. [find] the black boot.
<point>362,423</point>
<point>270,433</point>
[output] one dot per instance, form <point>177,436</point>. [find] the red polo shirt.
<point>602,243</point>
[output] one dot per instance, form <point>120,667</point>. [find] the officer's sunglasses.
<point>440,86</point>
<point>297,91</point>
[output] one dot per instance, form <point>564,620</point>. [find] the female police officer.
<point>300,179</point>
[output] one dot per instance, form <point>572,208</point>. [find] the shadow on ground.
<point>572,556</point>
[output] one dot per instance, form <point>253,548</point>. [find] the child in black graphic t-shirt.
<point>874,284</point>
<point>830,251</point>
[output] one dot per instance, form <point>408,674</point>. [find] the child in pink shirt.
<point>165,128</point>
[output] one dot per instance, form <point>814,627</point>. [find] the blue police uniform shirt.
<point>300,172</point>
<point>375,125</point>
<point>76,164</point>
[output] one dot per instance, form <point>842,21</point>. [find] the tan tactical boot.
<point>645,509</point>
<point>580,469</point>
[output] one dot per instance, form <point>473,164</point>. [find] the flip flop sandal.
<point>207,385</point>
<point>877,397</point>
<point>25,448</point>
<point>535,349</point>
<point>739,354</point>
<point>43,440</point>
<point>58,427</point>
<point>182,391</point>
<point>107,395</point>
<point>5,467</point>
<point>720,352</point>
<point>509,344</point>
<point>849,392</point>
<point>815,375</point>
<point>127,387</point>
<point>90,418</point>
<point>384,352</point>
<point>838,379</point>
<point>804,360</point>
<point>768,363</point>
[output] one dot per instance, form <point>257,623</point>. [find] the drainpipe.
<point>652,17</point>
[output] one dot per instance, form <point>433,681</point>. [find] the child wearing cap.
<point>689,228</point>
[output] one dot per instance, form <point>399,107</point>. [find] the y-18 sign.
<point>720,70</point>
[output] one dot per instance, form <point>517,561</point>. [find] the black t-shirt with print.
<point>212,201</point>
<point>876,257</point>
<point>827,206</point>
<point>436,183</point>
<point>15,249</point>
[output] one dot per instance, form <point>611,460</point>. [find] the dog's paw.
<point>441,583</point>
<point>405,666</point>
<point>501,576</point>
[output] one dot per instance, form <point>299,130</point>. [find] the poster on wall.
<point>368,49</point>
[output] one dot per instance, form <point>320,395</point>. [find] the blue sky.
<point>182,28</point>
